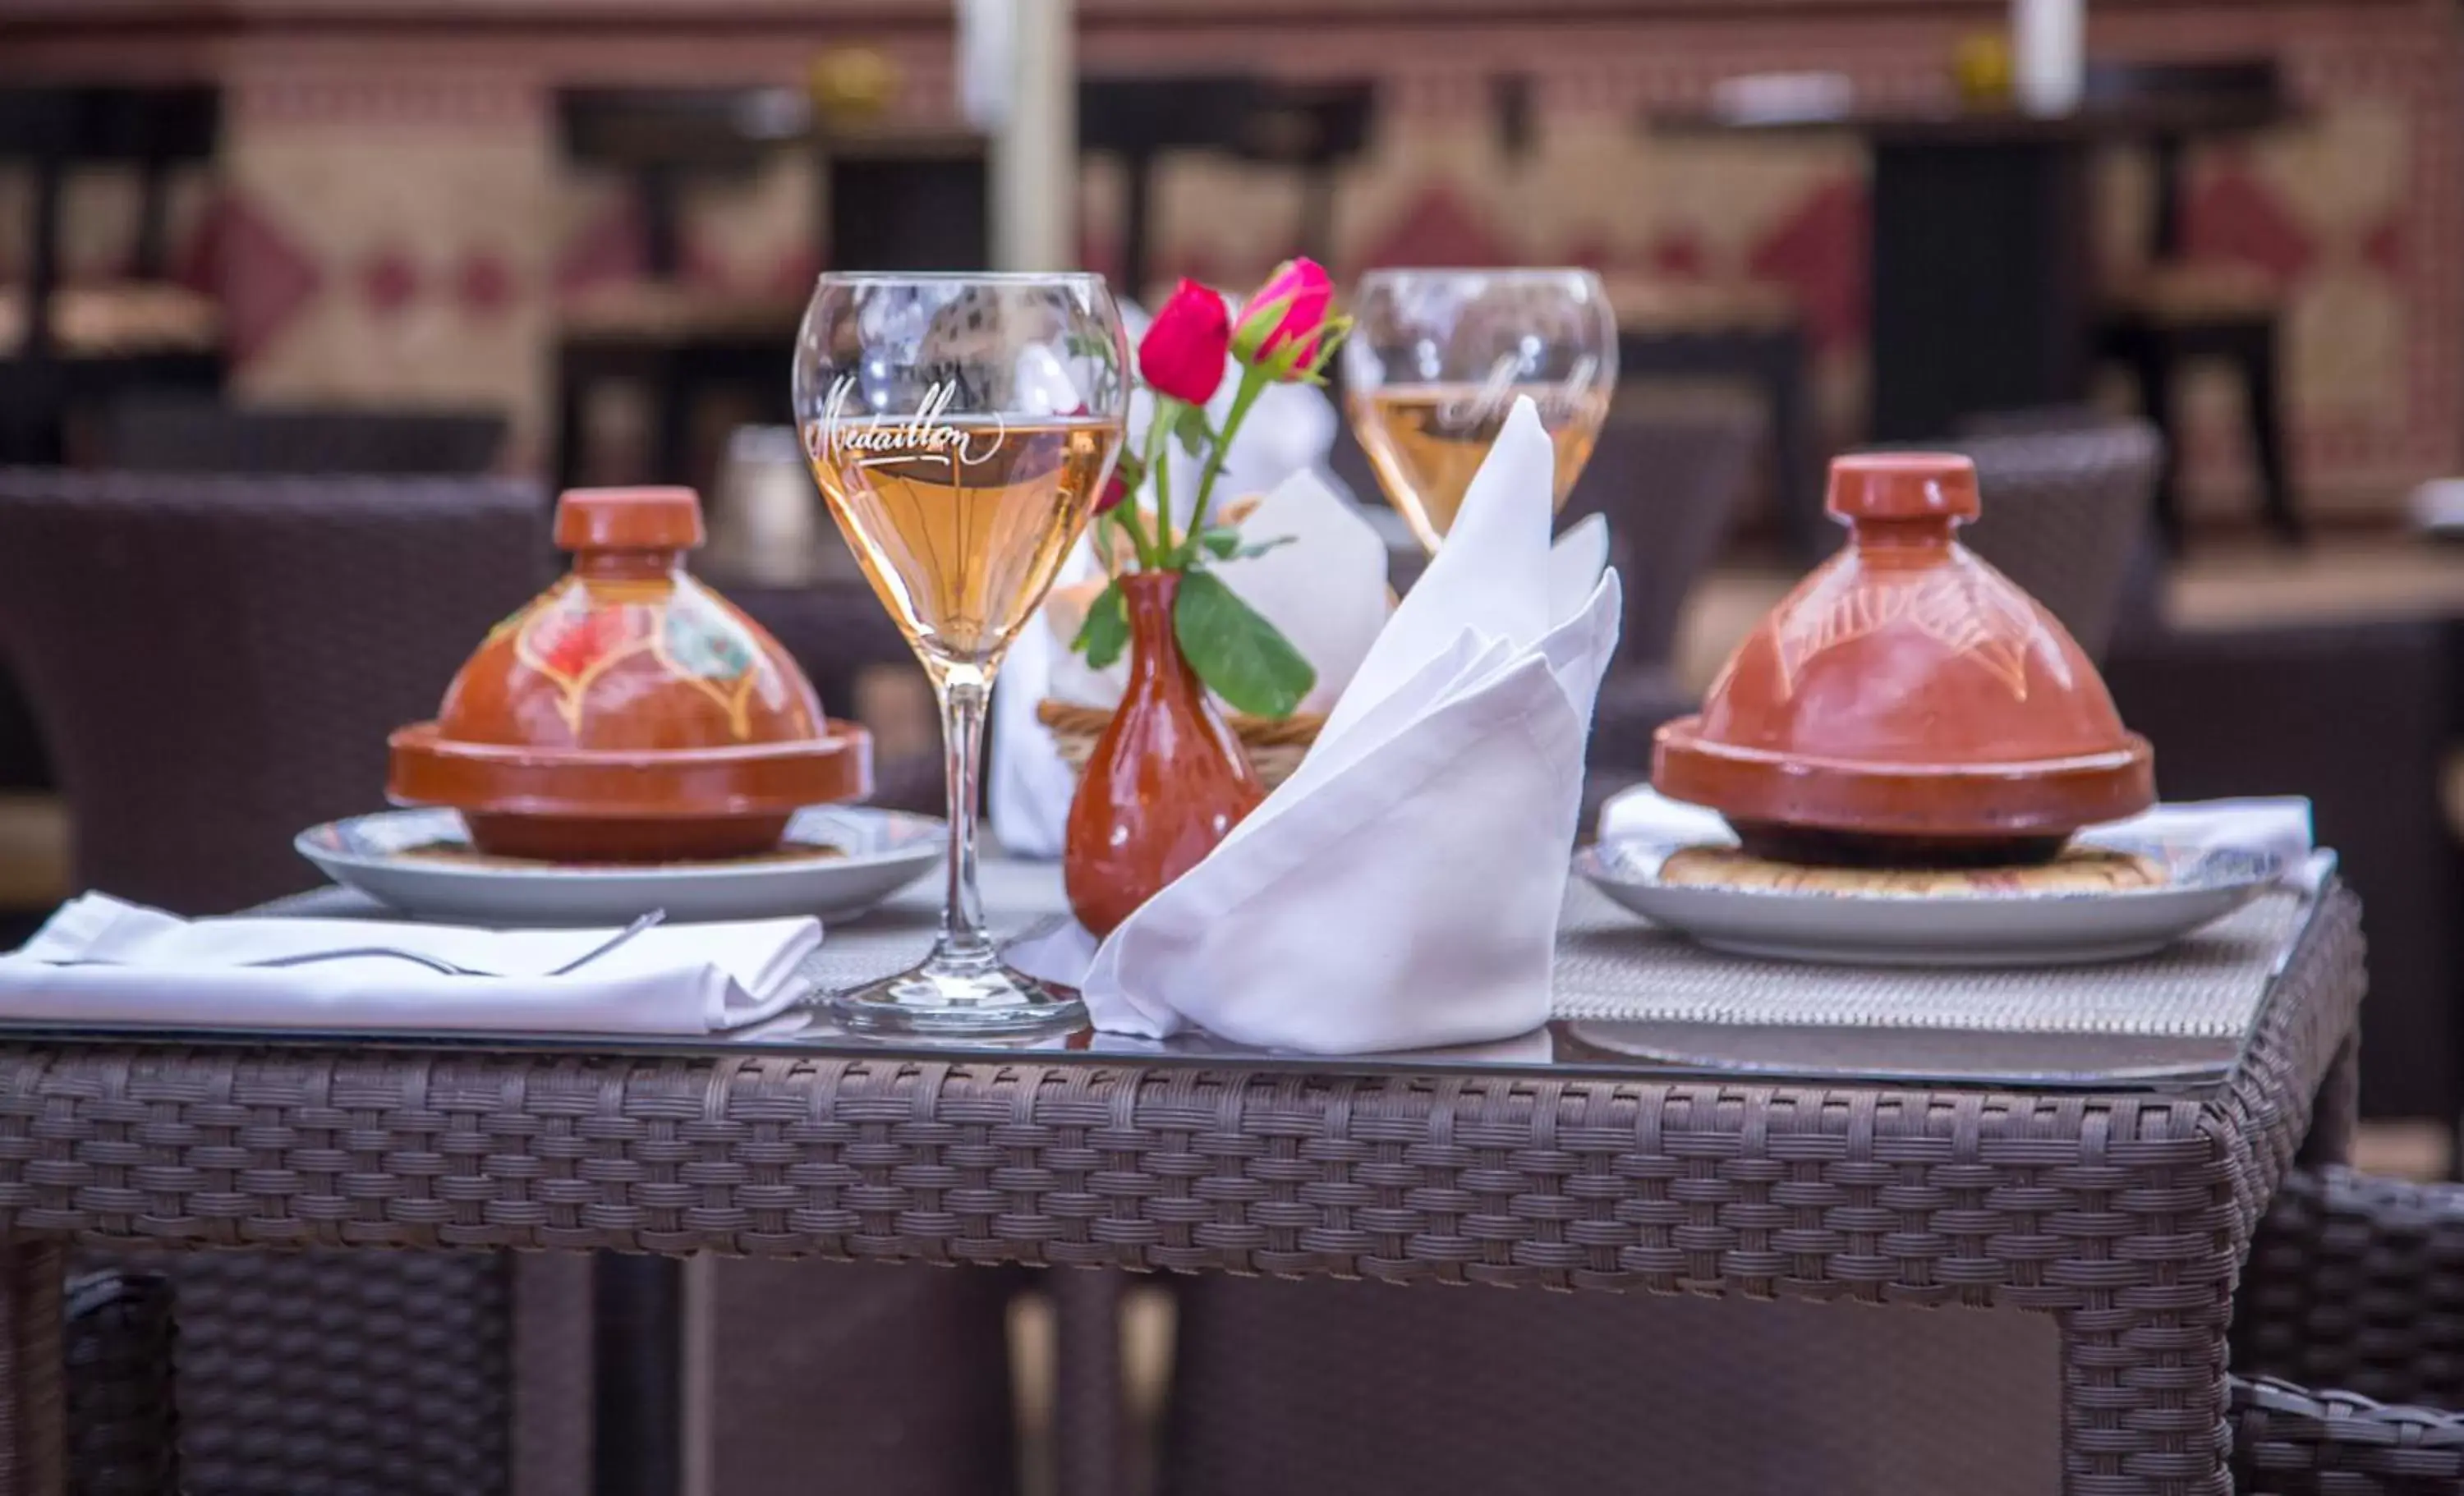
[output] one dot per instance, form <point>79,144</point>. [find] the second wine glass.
<point>1436,359</point>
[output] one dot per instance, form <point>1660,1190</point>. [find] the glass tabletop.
<point>1580,1044</point>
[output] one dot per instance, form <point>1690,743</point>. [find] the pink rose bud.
<point>1266,328</point>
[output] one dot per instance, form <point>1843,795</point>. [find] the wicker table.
<point>2125,1214</point>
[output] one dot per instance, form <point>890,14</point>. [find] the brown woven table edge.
<point>2126,1215</point>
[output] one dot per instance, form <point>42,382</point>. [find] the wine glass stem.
<point>963,693</point>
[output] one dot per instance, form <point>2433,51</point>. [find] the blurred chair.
<point>2173,311</point>
<point>1749,334</point>
<point>680,339</point>
<point>2361,716</point>
<point>2351,1287</point>
<point>2066,516</point>
<point>1670,485</point>
<point>66,348</point>
<point>1311,128</point>
<point>156,434</point>
<point>2270,709</point>
<point>124,1419</point>
<point>1380,1391</point>
<point>215,664</point>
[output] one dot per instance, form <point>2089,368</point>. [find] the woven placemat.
<point>1613,967</point>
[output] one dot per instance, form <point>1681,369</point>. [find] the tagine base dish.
<point>834,861</point>
<point>953,996</point>
<point>1800,809</point>
<point>576,805</point>
<point>2023,915</point>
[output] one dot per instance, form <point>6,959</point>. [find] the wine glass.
<point>1437,358</point>
<point>962,428</point>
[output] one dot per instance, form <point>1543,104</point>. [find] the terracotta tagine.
<point>628,714</point>
<point>1167,780</point>
<point>1908,703</point>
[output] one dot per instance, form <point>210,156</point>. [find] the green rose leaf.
<point>1189,427</point>
<point>1225,545</point>
<point>1106,633</point>
<point>1241,656</point>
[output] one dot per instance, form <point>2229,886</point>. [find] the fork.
<point>434,963</point>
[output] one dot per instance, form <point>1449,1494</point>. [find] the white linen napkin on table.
<point>158,968</point>
<point>2277,825</point>
<point>1402,889</point>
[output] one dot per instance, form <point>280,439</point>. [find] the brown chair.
<point>1669,485</point>
<point>124,1419</point>
<point>2170,318</point>
<point>216,663</point>
<point>170,434</point>
<point>2174,310</point>
<point>1745,333</point>
<point>2066,514</point>
<point>65,351</point>
<point>2352,1285</point>
<point>2355,1284</point>
<point>683,341</point>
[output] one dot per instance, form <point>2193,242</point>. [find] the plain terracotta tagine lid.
<point>628,714</point>
<point>1908,703</point>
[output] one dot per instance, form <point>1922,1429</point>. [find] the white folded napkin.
<point>158,968</point>
<point>1402,889</point>
<point>2279,824</point>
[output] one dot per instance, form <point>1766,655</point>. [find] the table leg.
<point>637,1438</point>
<point>33,1458</point>
<point>1980,275</point>
<point>1090,1411</point>
<point>2336,1116</point>
<point>2144,1402</point>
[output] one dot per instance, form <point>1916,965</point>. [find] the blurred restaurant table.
<point>1981,267</point>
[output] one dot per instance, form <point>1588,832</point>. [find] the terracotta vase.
<point>1908,703</point>
<point>1167,780</point>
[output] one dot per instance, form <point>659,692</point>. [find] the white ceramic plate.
<point>860,857</point>
<point>1972,930</point>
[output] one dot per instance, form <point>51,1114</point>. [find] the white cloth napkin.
<point>1402,889</point>
<point>194,974</point>
<point>2279,824</point>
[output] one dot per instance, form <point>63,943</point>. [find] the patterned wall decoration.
<point>395,223</point>
<point>387,238</point>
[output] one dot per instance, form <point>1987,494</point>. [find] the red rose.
<point>1114,490</point>
<point>1305,294</point>
<point>1182,353</point>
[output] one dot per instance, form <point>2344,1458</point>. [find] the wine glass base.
<point>959,999</point>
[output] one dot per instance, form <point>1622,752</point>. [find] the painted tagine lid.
<point>628,714</point>
<point>1908,703</point>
